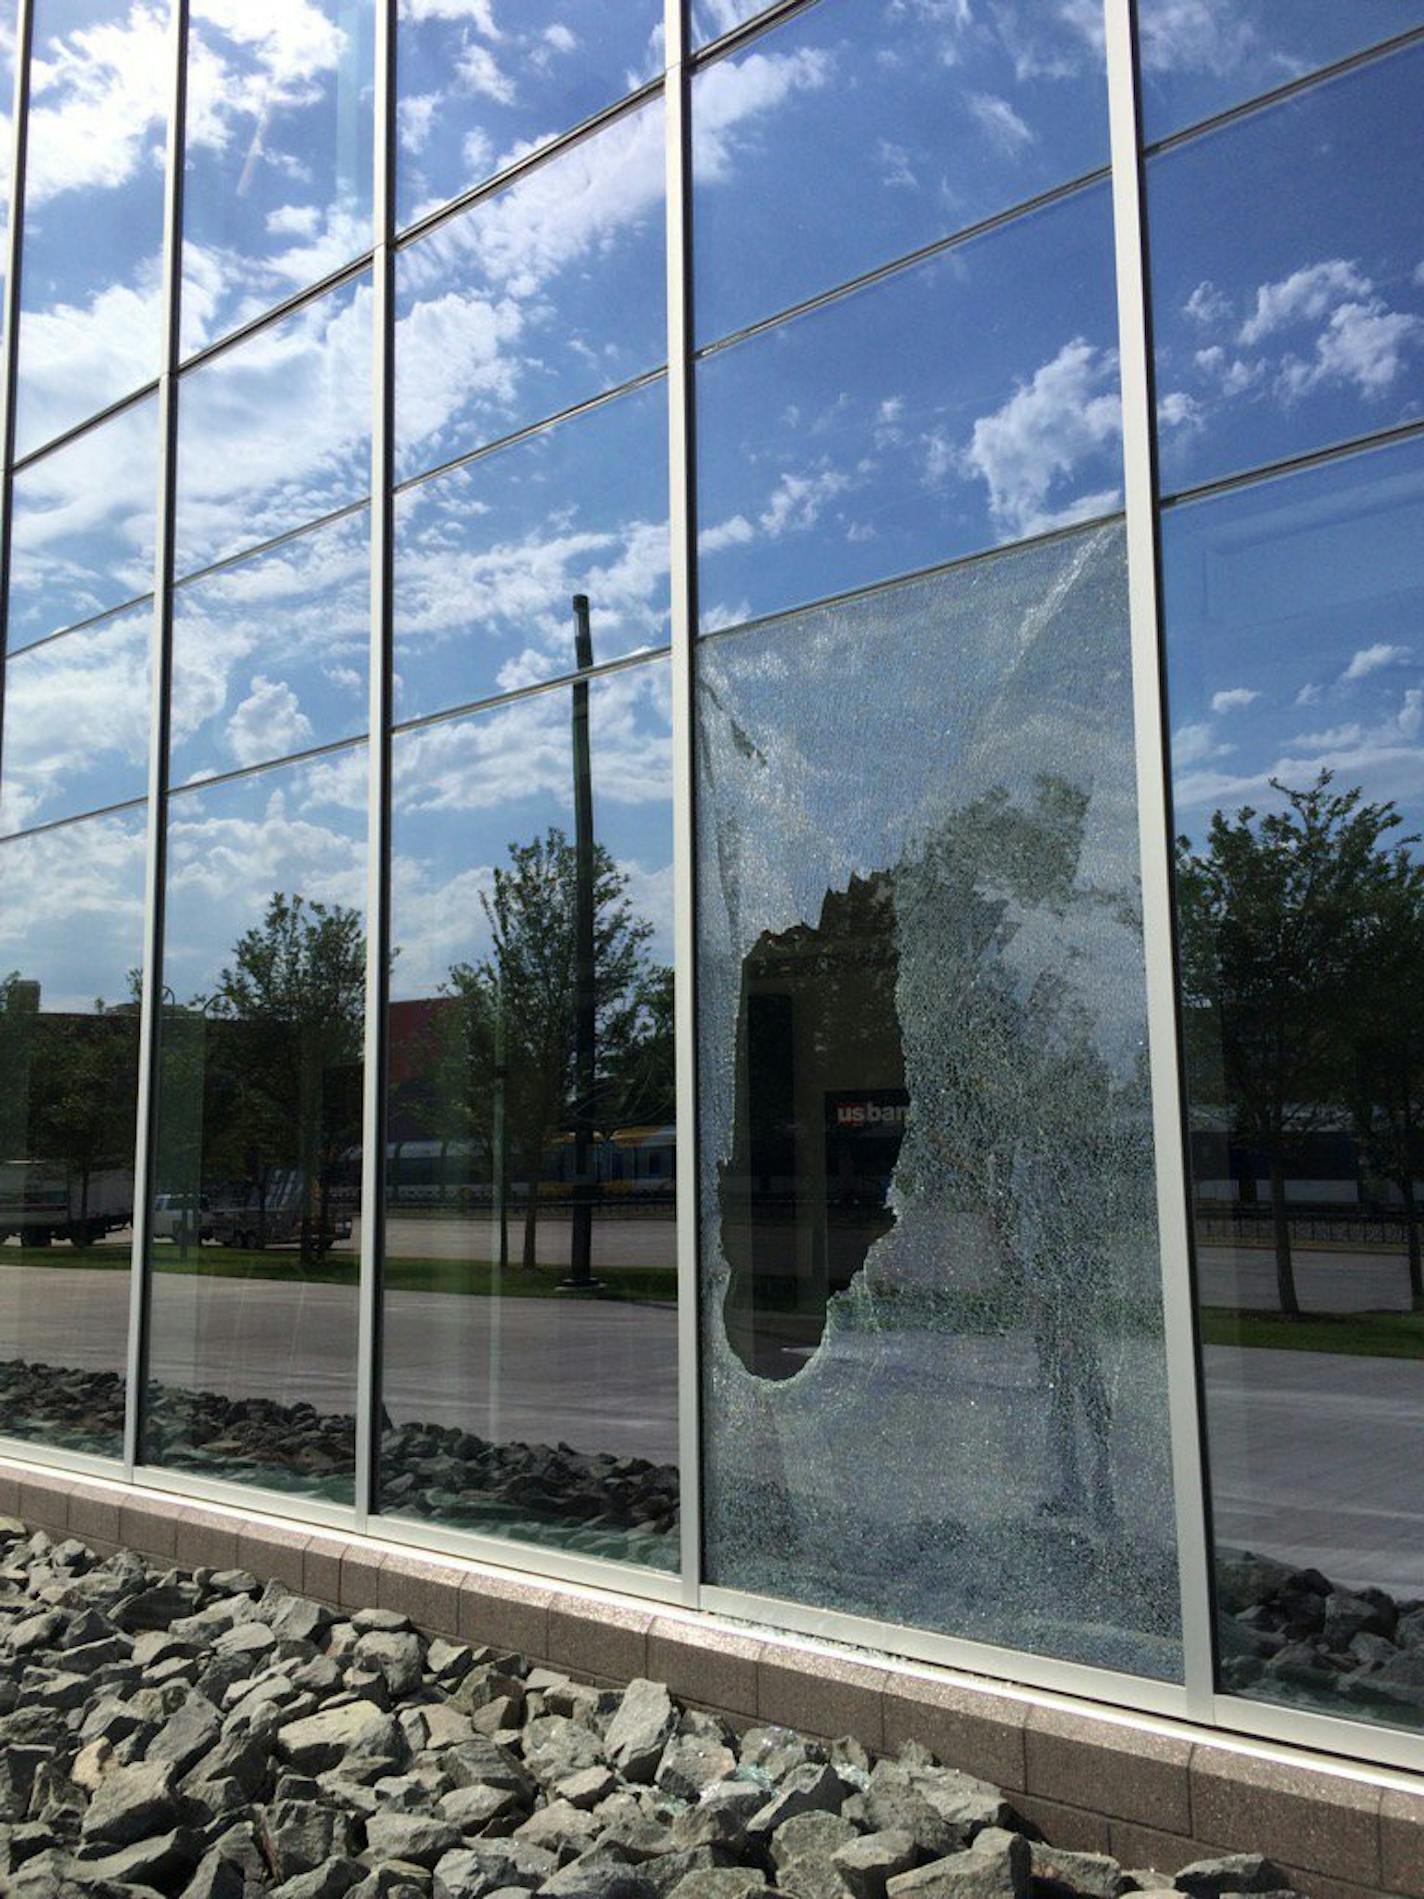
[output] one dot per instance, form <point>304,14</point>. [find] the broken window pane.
<point>935,1385</point>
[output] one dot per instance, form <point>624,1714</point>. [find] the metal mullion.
<point>162,667</point>
<point>373,1116</point>
<point>24,32</point>
<point>682,556</point>
<point>1154,826</point>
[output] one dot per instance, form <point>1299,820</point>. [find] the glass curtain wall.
<point>927,1183</point>
<point>933,1375</point>
<point>1290,387</point>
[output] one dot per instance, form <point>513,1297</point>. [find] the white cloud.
<point>1066,413</point>
<point>1206,305</point>
<point>1233,699</point>
<point>735,532</point>
<point>415,115</point>
<point>478,71</point>
<point>268,723</point>
<point>1192,744</point>
<point>737,90</point>
<point>1176,409</point>
<point>999,122</point>
<point>1305,295</point>
<point>1370,659</point>
<point>797,501</point>
<point>1363,344</point>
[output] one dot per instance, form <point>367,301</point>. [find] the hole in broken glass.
<point>820,1116</point>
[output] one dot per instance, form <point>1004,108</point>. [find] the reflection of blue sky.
<point>82,526</point>
<point>281,107</point>
<point>543,295</point>
<point>712,18</point>
<point>298,828</point>
<point>76,722</point>
<point>275,432</point>
<point>1201,56</point>
<point>71,910</point>
<point>880,128</point>
<point>1288,274</point>
<point>482,82</point>
<point>1295,636</point>
<point>489,556</point>
<point>93,209</point>
<point>466,789</point>
<point>967,401</point>
<point>271,656</point>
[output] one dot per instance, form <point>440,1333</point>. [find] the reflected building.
<point>671,913</point>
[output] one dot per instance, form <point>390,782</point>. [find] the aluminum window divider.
<point>682,552</point>
<point>19,126</point>
<point>1154,836</point>
<point>151,993</point>
<point>378,780</point>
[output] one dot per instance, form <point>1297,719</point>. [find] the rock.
<point>216,1878</point>
<point>814,1835</point>
<point>396,1655</point>
<point>91,1764</point>
<point>811,1878</point>
<point>721,1816</point>
<point>721,1882</point>
<point>164,1860</point>
<point>1233,1872</point>
<point>691,1763</point>
<point>812,1788</point>
<point>559,1828</point>
<point>470,1809</point>
<point>420,1838</point>
<point>997,1866</point>
<point>473,1872</point>
<point>187,1736</point>
<point>587,1787</point>
<point>869,1861</point>
<point>641,1729</point>
<point>300,1835</point>
<point>327,1881</point>
<point>133,1802</point>
<point>325,1740</point>
<point>598,1875</point>
<point>1091,1875</point>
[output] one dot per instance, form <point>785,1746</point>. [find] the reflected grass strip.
<point>1347,1334</point>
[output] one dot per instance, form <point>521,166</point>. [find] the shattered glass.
<point>935,1388</point>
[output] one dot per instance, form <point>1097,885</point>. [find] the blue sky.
<point>1295,636</point>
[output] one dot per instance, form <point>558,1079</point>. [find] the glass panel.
<point>489,557</point>
<point>8,10</point>
<point>91,309</point>
<point>476,93</point>
<point>71,944</point>
<point>839,449</point>
<point>1307,326</point>
<point>1208,55</point>
<point>258,1145</point>
<point>276,431</point>
<point>272,656</point>
<point>539,297</point>
<point>1297,693</point>
<point>277,194</point>
<point>934,1381</point>
<point>76,722</point>
<point>83,526</point>
<point>530,1328</point>
<point>712,18</point>
<point>852,134</point>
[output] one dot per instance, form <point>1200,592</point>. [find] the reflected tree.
<point>288,1023</point>
<point>516,1013</point>
<point>1290,924</point>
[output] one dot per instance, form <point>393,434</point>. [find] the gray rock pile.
<point>1293,1635</point>
<point>196,1735</point>
<point>598,1504</point>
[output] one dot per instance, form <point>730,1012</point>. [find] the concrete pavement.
<point>1316,1458</point>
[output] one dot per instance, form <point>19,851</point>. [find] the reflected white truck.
<point>42,1201</point>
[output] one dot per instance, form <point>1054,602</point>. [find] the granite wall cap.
<point>1126,1771</point>
<point>1296,1813</point>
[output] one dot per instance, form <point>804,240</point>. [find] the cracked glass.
<point>934,1379</point>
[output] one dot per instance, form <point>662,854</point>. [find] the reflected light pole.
<point>580,1277</point>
